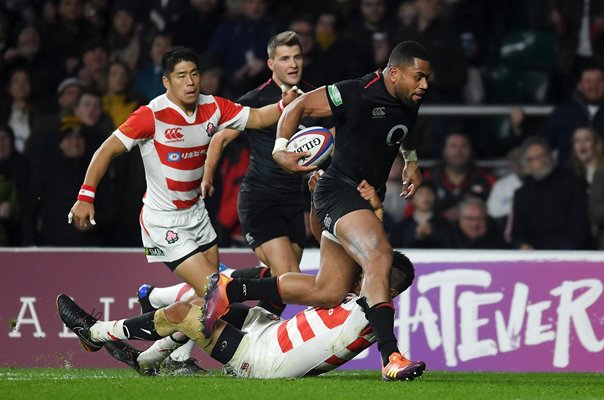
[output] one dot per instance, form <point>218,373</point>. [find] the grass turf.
<point>89,384</point>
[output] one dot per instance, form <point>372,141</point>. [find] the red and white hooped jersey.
<point>314,341</point>
<point>173,145</point>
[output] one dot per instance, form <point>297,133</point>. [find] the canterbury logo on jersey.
<point>378,112</point>
<point>173,133</point>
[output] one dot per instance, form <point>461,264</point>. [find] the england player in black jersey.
<point>374,118</point>
<point>270,203</point>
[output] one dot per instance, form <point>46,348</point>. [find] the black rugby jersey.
<point>370,126</point>
<point>264,173</point>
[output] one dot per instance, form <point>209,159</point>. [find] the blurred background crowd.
<point>71,71</point>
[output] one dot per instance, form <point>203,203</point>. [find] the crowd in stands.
<point>71,71</point>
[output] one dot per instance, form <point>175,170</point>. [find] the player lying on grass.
<point>249,341</point>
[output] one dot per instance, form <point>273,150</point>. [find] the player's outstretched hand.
<point>207,189</point>
<point>288,161</point>
<point>412,179</point>
<point>290,95</point>
<point>81,215</point>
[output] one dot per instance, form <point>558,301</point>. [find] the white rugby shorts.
<point>171,235</point>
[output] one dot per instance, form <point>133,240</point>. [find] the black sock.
<point>227,344</point>
<point>381,319</point>
<point>236,315</point>
<point>141,327</point>
<point>275,308</point>
<point>239,290</point>
<point>252,273</point>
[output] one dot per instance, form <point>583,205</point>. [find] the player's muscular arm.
<point>312,104</point>
<point>217,145</point>
<point>83,211</point>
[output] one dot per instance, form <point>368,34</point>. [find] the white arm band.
<point>409,155</point>
<point>280,145</point>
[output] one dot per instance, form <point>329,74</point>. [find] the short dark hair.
<point>405,52</point>
<point>287,38</point>
<point>403,273</point>
<point>531,141</point>
<point>176,55</point>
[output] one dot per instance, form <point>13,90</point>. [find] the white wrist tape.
<point>280,145</point>
<point>410,155</point>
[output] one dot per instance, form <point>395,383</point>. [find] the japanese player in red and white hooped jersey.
<point>173,145</point>
<point>314,341</point>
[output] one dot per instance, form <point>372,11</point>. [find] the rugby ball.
<point>316,140</point>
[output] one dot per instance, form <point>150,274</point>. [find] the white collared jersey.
<point>173,145</point>
<point>314,341</point>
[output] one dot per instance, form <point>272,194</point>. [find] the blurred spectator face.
<point>591,85</point>
<point>19,86</point>
<point>69,96</point>
<point>372,10</point>
<point>406,12</point>
<point>326,24</point>
<point>6,145</point>
<point>585,145</point>
<point>286,64</point>
<point>70,10</point>
<point>210,81</point>
<point>473,220</point>
<point>203,6</point>
<point>72,144</point>
<point>457,151</point>
<point>95,59</point>
<point>538,162</point>
<point>123,22</point>
<point>28,41</point>
<point>160,46</point>
<point>306,32</point>
<point>254,9</point>
<point>117,78</point>
<point>89,109</point>
<point>423,199</point>
<point>428,9</point>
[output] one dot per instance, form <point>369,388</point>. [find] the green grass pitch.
<point>90,384</point>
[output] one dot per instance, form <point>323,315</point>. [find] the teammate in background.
<point>374,116</point>
<point>250,342</point>
<point>270,203</point>
<point>173,132</point>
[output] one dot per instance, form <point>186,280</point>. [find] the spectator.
<point>393,204</point>
<point>314,68</point>
<point>53,184</point>
<point>587,154</point>
<point>241,42</point>
<point>550,208</point>
<point>458,176</point>
<point>337,47</point>
<point>580,28</point>
<point>371,20</point>
<point>94,61</point>
<point>449,67</point>
<point>197,24</point>
<point>29,52</point>
<point>96,124</point>
<point>68,33</point>
<point>583,109</point>
<point>148,78</point>
<point>211,76</point>
<point>123,36</point>
<point>596,207</point>
<point>424,228</point>
<point>119,97</point>
<point>475,229</point>
<point>501,197</point>
<point>18,110</point>
<point>13,178</point>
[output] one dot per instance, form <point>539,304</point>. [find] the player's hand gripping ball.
<point>316,140</point>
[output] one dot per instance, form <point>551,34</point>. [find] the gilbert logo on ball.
<point>316,140</point>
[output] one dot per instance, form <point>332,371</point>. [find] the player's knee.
<point>177,312</point>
